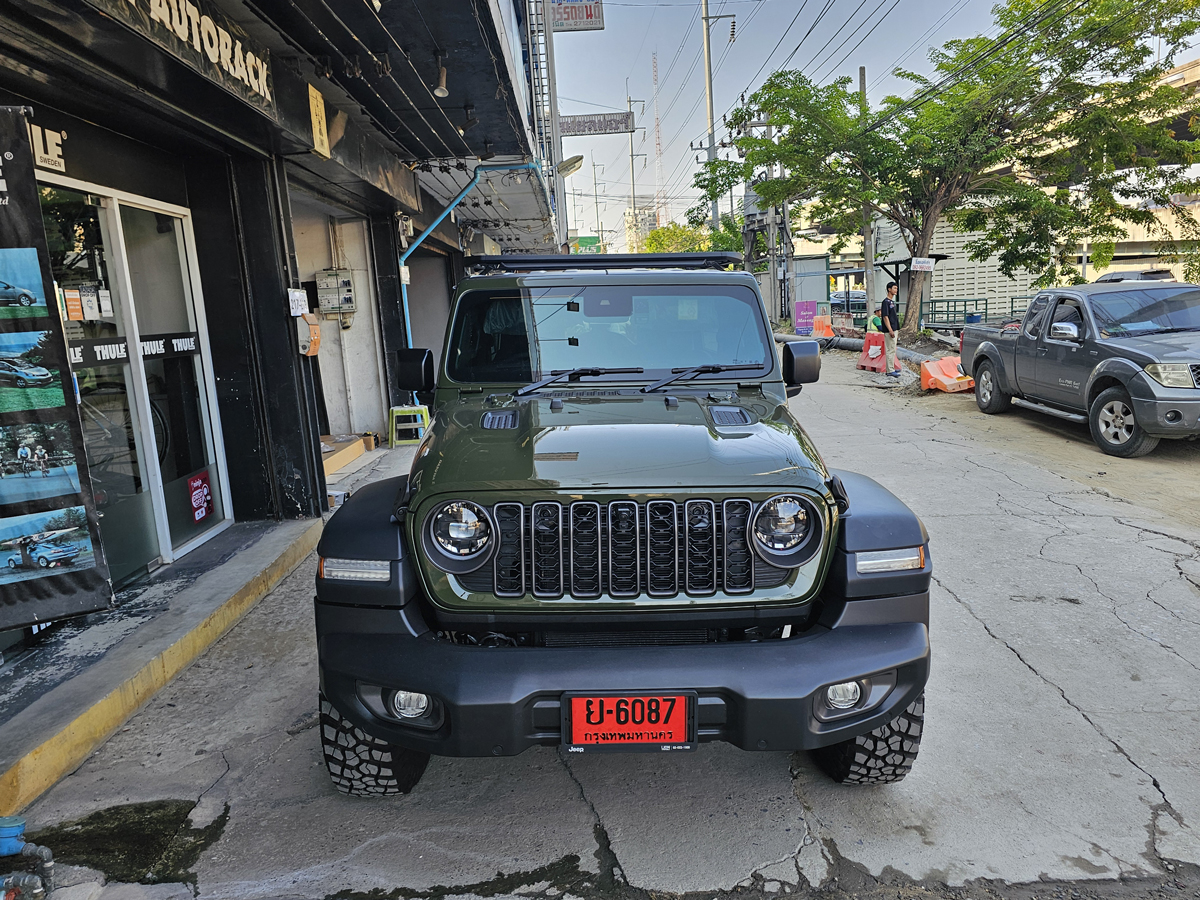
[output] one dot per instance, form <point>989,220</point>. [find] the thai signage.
<point>51,561</point>
<point>596,123</point>
<point>577,15</point>
<point>200,36</point>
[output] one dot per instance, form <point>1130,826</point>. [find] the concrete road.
<point>1060,754</point>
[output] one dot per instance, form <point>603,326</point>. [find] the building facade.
<point>209,170</point>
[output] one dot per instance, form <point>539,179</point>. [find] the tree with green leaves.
<point>676,238</point>
<point>1058,130</point>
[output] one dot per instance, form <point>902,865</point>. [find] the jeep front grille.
<point>623,549</point>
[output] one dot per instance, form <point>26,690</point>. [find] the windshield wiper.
<point>692,371</point>
<point>573,375</point>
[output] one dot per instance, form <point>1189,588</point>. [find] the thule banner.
<point>196,33</point>
<point>51,562</point>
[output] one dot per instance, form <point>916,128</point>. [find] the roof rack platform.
<point>559,262</point>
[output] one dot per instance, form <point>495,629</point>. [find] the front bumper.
<point>500,701</point>
<point>1169,418</point>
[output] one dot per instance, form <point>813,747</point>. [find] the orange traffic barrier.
<point>945,374</point>
<point>873,360</point>
<point>821,327</point>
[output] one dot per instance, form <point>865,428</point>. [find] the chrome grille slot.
<point>624,546</point>
<point>662,552</point>
<point>510,549</point>
<point>585,549</point>
<point>739,558</point>
<point>1196,374</point>
<point>547,544</point>
<point>701,540</point>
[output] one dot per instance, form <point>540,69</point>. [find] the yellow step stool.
<point>401,419</point>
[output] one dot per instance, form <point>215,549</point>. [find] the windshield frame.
<point>530,286</point>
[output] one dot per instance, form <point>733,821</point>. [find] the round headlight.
<point>461,529</point>
<point>782,524</point>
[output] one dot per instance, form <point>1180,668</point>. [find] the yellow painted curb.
<point>42,767</point>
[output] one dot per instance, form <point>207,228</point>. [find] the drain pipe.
<point>13,843</point>
<point>416,242</point>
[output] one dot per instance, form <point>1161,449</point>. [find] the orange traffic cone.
<point>821,327</point>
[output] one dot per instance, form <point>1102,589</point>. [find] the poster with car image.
<point>42,544</point>
<point>52,563</point>
<point>30,371</point>
<point>21,293</point>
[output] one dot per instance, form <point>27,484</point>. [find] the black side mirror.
<point>801,364</point>
<point>414,370</point>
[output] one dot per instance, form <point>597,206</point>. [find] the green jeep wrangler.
<point>615,536</point>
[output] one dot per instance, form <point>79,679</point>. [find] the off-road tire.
<point>883,756</point>
<point>363,766</point>
<point>988,396</point>
<point>1106,435</point>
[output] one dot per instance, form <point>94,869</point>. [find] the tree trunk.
<point>917,280</point>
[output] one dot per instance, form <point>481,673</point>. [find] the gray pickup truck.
<point>1123,357</point>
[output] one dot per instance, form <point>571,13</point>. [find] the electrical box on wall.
<point>335,292</point>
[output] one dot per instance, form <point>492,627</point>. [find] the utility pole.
<point>596,191</point>
<point>560,211</point>
<point>711,149</point>
<point>772,254</point>
<point>868,230</point>
<point>629,101</point>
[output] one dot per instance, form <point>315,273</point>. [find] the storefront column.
<point>260,195</point>
<point>385,247</point>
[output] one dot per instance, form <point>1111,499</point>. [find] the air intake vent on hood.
<point>729,415</point>
<point>506,418</point>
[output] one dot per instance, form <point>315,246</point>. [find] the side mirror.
<point>414,370</point>
<point>1064,331</point>
<point>801,364</point>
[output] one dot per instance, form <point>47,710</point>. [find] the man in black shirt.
<point>891,327</point>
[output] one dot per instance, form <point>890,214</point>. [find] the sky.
<point>592,68</point>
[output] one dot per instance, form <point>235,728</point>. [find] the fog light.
<point>844,695</point>
<point>1174,416</point>
<point>408,704</point>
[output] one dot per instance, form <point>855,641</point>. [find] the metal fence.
<point>953,313</point>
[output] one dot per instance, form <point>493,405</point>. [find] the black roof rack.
<point>720,259</point>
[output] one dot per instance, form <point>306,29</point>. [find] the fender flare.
<point>1113,368</point>
<point>989,351</point>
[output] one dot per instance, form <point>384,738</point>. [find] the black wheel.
<point>988,395</point>
<point>883,756</point>
<point>1114,426</point>
<point>25,300</point>
<point>363,766</point>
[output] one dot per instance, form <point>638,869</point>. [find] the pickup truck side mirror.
<point>1064,331</point>
<point>414,370</point>
<point>801,364</point>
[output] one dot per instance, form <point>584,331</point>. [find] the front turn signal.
<point>870,562</point>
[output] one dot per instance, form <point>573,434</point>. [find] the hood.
<point>616,439</point>
<point>1181,347</point>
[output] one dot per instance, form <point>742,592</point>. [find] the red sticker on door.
<point>202,503</point>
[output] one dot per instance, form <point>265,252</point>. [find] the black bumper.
<point>501,701</point>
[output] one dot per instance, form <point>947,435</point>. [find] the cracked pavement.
<point>1062,719</point>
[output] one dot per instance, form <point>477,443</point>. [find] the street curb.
<point>39,769</point>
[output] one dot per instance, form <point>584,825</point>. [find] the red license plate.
<point>646,722</point>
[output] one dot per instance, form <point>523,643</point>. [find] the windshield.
<point>504,336</point>
<point>1138,311</point>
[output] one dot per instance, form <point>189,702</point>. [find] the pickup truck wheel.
<point>363,766</point>
<point>882,756</point>
<point>1115,428</point>
<point>988,396</point>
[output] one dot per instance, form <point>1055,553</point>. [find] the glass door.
<point>94,314</point>
<point>160,281</point>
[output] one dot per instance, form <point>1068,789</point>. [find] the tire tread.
<point>882,756</point>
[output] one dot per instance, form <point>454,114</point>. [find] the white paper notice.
<point>106,307</point>
<point>88,296</point>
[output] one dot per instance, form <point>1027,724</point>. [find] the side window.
<point>1068,311</point>
<point>1037,312</point>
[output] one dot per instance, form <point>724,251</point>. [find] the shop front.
<point>133,316</point>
